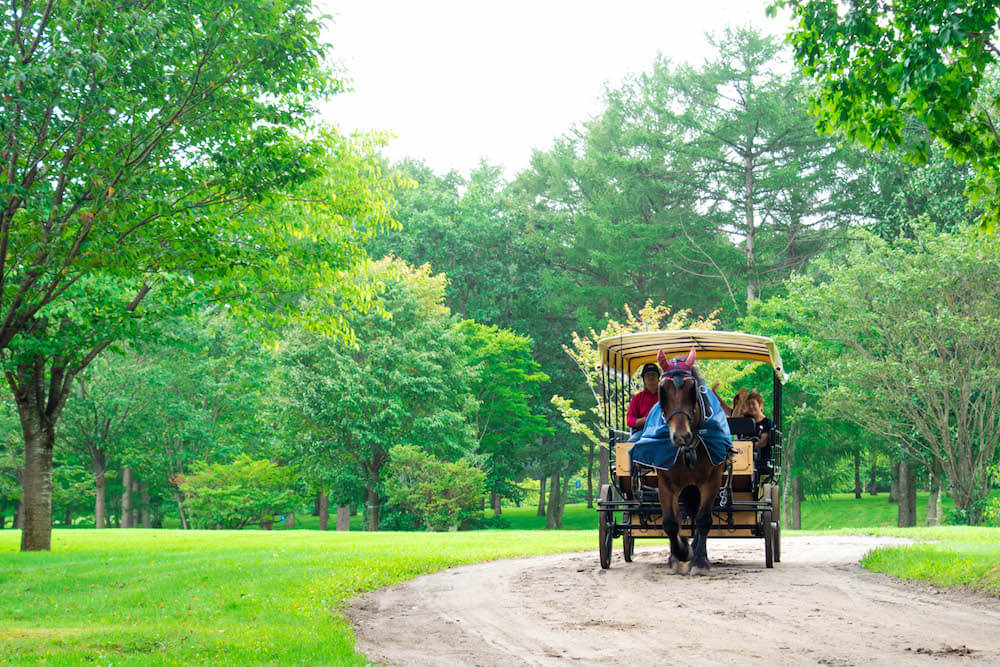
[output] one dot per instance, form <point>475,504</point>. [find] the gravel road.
<point>815,607</point>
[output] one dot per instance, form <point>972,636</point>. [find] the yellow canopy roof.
<point>631,351</point>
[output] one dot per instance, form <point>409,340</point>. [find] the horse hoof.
<point>676,566</point>
<point>701,569</point>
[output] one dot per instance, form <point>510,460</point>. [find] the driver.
<point>643,402</point>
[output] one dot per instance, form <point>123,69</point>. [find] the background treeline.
<point>414,386</point>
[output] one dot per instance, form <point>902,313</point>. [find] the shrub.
<point>232,495</point>
<point>440,493</point>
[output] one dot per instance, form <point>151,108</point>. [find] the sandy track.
<point>815,607</point>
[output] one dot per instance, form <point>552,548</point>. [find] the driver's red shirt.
<point>640,405</point>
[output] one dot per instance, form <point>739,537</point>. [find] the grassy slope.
<point>220,597</point>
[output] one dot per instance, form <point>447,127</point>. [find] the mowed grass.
<point>141,597</point>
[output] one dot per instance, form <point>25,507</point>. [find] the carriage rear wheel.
<point>769,530</point>
<point>628,542</point>
<point>605,528</point>
<point>776,509</point>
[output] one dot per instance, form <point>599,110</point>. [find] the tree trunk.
<point>372,500</point>
<point>180,509</point>
<point>36,503</point>
<point>133,520</point>
<point>290,520</point>
<point>796,505</point>
<point>541,495</point>
<point>145,512</point>
<point>98,466</point>
<point>3,514</point>
<point>323,507</point>
<point>894,484</point>
<point>68,516</point>
<point>565,496</point>
<point>873,475</point>
<point>495,503</point>
<point>753,282</point>
<point>907,511</point>
<point>127,497</point>
<point>857,475</point>
<point>934,497</point>
<point>552,518</point>
<point>343,518</point>
<point>316,502</point>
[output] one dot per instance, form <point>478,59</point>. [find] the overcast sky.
<point>457,81</point>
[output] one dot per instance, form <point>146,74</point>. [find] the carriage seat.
<point>742,428</point>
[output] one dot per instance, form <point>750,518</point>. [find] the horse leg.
<point>679,551</point>
<point>703,523</point>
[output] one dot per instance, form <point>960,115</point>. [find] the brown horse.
<point>679,387</point>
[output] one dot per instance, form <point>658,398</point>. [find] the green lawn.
<point>219,597</point>
<point>235,597</point>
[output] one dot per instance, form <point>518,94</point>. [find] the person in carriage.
<point>643,402</point>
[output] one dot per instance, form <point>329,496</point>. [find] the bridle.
<point>681,377</point>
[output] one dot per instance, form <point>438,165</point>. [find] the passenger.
<point>755,410</point>
<point>643,402</point>
<point>738,407</point>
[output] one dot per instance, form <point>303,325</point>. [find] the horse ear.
<point>691,355</point>
<point>662,360</point>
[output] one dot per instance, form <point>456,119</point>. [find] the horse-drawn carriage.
<point>633,505</point>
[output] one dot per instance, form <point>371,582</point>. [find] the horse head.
<point>679,382</point>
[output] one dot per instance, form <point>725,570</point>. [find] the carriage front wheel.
<point>605,528</point>
<point>628,542</point>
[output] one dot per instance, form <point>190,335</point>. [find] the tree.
<point>404,382</point>
<point>127,169</point>
<point>506,386</point>
<point>877,64</point>
<point>916,321</point>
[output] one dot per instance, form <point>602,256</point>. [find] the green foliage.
<point>900,341</point>
<point>404,383</point>
<point>232,495</point>
<point>878,64</point>
<point>440,494</point>
<point>506,388</point>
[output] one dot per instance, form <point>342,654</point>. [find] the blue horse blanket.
<point>653,446</point>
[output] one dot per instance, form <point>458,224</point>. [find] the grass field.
<point>142,597</point>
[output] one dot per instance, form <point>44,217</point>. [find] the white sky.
<point>461,80</point>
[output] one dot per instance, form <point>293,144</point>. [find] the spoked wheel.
<point>769,529</point>
<point>776,513</point>
<point>605,529</point>
<point>628,542</point>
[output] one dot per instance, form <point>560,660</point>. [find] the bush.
<point>440,493</point>
<point>232,495</point>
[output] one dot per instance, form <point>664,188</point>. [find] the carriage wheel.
<point>628,542</point>
<point>768,538</point>
<point>605,529</point>
<point>776,513</point>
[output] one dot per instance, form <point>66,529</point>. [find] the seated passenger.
<point>755,410</point>
<point>643,402</point>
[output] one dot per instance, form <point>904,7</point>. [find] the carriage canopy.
<point>625,353</point>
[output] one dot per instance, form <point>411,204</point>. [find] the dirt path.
<point>815,607</point>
